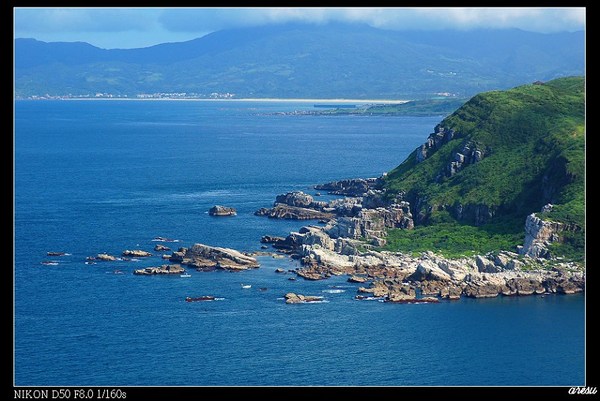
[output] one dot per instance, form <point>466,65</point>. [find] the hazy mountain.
<point>295,60</point>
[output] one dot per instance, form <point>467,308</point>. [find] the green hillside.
<point>500,157</point>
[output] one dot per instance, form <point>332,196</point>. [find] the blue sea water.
<point>106,176</point>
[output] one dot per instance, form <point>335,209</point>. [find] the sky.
<point>123,28</point>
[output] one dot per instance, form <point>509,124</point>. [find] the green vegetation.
<point>533,141</point>
<point>572,246</point>
<point>452,239</point>
<point>428,107</point>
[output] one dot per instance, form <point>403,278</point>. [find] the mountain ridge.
<point>297,60</point>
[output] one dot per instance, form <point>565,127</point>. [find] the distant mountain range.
<point>296,60</point>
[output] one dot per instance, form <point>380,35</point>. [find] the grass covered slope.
<point>500,157</point>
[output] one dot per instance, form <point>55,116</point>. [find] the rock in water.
<point>222,211</point>
<point>296,198</point>
<point>358,279</point>
<point>105,257</point>
<point>207,257</point>
<point>164,269</point>
<point>136,253</point>
<point>291,298</point>
<point>281,211</point>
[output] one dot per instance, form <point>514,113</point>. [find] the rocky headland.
<point>350,244</point>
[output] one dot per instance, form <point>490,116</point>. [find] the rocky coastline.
<point>348,237</point>
<point>347,245</point>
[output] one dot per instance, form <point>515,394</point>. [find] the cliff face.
<point>539,234</point>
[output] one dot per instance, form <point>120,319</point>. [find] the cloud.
<point>137,27</point>
<point>534,19</point>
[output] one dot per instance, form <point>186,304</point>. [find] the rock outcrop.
<point>479,276</point>
<point>271,239</point>
<point>367,216</point>
<point>371,223</point>
<point>204,257</point>
<point>105,257</point>
<point>298,199</point>
<point>282,211</point>
<point>164,269</point>
<point>161,248</point>
<point>136,253</point>
<point>439,137</point>
<point>351,187</point>
<point>358,279</point>
<point>292,298</point>
<point>218,210</point>
<point>538,235</point>
<point>468,154</point>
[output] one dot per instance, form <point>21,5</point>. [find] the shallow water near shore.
<point>95,177</point>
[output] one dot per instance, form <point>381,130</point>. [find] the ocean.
<point>105,176</point>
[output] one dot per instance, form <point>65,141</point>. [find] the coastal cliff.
<point>497,188</point>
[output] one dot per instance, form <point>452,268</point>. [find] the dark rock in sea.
<point>105,257</point>
<point>200,299</point>
<point>136,253</point>
<point>203,256</point>
<point>523,286</point>
<point>164,239</point>
<point>570,286</point>
<point>279,270</point>
<point>292,278</point>
<point>444,289</point>
<point>264,247</point>
<point>281,211</point>
<point>164,269</point>
<point>222,211</point>
<point>292,298</point>
<point>404,293</point>
<point>55,253</point>
<point>270,239</point>
<point>160,247</point>
<point>309,274</point>
<point>290,243</point>
<point>481,289</point>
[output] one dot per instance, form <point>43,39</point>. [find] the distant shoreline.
<point>274,100</point>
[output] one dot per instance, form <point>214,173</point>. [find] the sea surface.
<point>105,176</point>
